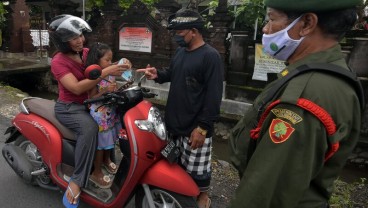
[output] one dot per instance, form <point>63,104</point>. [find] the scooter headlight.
<point>154,123</point>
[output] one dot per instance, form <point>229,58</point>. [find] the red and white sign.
<point>135,39</point>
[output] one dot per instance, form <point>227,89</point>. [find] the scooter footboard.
<point>170,177</point>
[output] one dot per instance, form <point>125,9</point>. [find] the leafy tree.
<point>249,14</point>
<point>3,11</point>
<point>124,4</point>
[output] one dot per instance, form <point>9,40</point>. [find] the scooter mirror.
<point>93,72</point>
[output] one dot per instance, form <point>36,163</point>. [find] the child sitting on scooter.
<point>106,117</point>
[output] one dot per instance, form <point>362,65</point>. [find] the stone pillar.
<point>358,62</point>
<point>20,37</point>
<point>64,7</point>
<point>104,30</point>
<point>218,32</point>
<point>166,8</point>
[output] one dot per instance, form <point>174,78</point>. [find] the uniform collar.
<point>331,55</point>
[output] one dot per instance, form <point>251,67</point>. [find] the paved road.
<point>16,194</point>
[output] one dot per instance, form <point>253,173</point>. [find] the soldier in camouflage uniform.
<point>292,144</point>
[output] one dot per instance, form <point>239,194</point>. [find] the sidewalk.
<point>16,63</point>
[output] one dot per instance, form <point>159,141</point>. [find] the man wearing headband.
<point>193,104</point>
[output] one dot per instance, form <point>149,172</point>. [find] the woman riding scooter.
<point>67,66</point>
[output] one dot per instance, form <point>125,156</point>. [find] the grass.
<point>11,93</point>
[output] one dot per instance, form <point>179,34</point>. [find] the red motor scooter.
<point>41,151</point>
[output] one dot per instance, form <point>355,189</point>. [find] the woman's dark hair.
<point>96,52</point>
<point>333,23</point>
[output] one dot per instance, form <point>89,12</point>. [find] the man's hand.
<point>196,139</point>
<point>149,72</point>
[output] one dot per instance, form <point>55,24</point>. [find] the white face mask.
<point>279,45</point>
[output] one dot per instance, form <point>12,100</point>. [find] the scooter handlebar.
<point>94,100</point>
<point>107,97</point>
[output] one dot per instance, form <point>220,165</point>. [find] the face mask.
<point>279,45</point>
<point>180,40</point>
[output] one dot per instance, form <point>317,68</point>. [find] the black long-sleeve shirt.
<point>195,90</point>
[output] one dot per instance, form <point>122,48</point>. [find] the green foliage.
<point>211,11</point>
<point>95,3</point>
<point>3,11</point>
<point>247,14</point>
<point>212,6</point>
<point>124,4</point>
<point>343,193</point>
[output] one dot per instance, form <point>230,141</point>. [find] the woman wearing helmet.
<point>67,66</point>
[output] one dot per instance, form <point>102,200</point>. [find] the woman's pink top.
<point>62,65</point>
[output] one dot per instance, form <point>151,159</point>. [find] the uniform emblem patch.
<point>280,130</point>
<point>287,114</point>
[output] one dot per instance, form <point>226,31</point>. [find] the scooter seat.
<point>45,109</point>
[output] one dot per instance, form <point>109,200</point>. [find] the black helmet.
<point>63,28</point>
<point>185,19</point>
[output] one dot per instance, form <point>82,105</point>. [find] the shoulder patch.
<point>280,131</point>
<point>287,114</point>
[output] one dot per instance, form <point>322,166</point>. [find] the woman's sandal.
<point>66,203</point>
<point>102,182</point>
<point>111,168</point>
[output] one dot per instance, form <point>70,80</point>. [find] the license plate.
<point>170,152</point>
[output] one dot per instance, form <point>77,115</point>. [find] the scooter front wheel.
<point>163,198</point>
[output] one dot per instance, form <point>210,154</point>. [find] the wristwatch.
<point>201,131</point>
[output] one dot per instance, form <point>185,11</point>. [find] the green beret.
<point>311,5</point>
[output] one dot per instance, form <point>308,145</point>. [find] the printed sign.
<point>135,39</point>
<point>264,64</point>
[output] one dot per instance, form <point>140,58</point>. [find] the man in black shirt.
<point>193,104</point>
